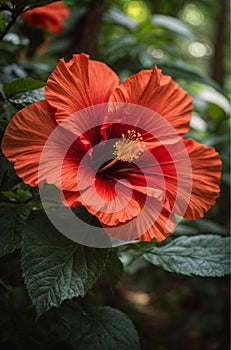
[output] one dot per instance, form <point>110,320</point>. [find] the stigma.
<point>130,147</point>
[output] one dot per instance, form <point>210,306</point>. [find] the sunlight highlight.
<point>137,10</point>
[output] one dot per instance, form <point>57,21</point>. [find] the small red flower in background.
<point>127,169</point>
<point>49,16</point>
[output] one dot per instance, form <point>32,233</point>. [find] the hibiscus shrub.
<point>113,167</point>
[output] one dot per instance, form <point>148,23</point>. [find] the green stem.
<point>4,285</point>
<point>14,17</point>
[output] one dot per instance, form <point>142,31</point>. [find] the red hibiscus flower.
<point>49,17</point>
<point>116,149</point>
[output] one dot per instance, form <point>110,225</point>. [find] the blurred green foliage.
<point>187,40</point>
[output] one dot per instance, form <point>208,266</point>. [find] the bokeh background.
<point>189,41</point>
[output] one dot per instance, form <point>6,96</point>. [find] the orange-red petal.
<point>153,221</point>
<point>163,227</point>
<point>111,205</point>
<point>49,16</point>
<point>25,138</point>
<point>206,172</point>
<point>43,151</point>
<point>78,84</point>
<point>152,89</point>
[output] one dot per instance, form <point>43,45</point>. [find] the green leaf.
<point>27,97</point>
<point>8,176</point>
<point>5,5</point>
<point>113,270</point>
<point>56,268</point>
<point>12,221</point>
<point>173,24</point>
<point>182,70</point>
<point>1,22</point>
<point>10,195</point>
<point>226,178</point>
<point>21,85</point>
<point>116,16</point>
<point>18,329</point>
<point>210,226</point>
<point>7,111</point>
<point>202,255</point>
<point>215,97</point>
<point>36,3</point>
<point>96,328</point>
<point>199,226</point>
<point>20,195</point>
<point>197,123</point>
<point>85,216</point>
<point>28,4</point>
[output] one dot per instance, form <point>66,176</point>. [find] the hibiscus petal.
<point>163,227</point>
<point>206,172</point>
<point>78,84</point>
<point>49,16</point>
<point>147,179</point>
<point>112,204</point>
<point>76,172</point>
<point>153,221</point>
<point>163,173</point>
<point>43,151</point>
<point>152,89</point>
<point>25,138</point>
<point>175,165</point>
<point>71,198</point>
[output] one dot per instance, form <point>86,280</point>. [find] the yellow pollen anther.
<point>129,148</point>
